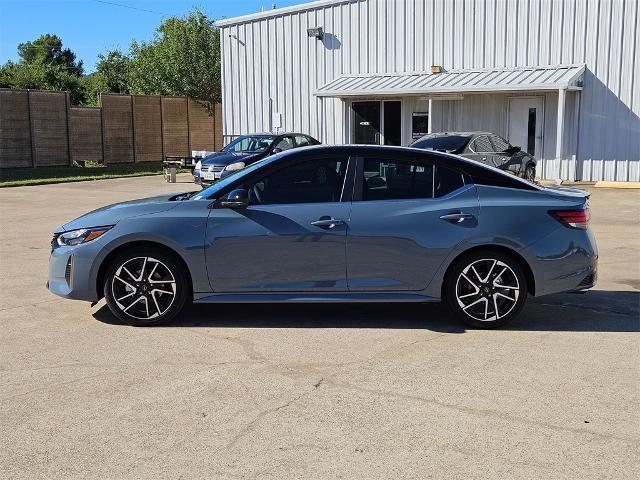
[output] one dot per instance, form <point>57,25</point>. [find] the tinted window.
<point>482,144</point>
<point>448,143</point>
<point>311,181</point>
<point>285,143</point>
<point>396,179</point>
<point>499,143</point>
<point>302,141</point>
<point>447,180</point>
<point>257,143</point>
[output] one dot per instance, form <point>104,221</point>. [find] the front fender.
<point>182,230</point>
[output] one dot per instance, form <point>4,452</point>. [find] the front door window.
<point>313,181</point>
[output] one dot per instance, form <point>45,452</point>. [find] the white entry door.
<point>526,117</point>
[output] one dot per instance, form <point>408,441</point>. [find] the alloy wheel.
<point>143,288</point>
<point>487,290</point>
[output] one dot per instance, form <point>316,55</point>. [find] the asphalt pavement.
<point>313,391</point>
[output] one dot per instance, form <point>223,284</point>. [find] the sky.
<point>91,27</point>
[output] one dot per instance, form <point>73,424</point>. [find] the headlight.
<point>82,235</point>
<point>234,166</point>
<point>198,165</point>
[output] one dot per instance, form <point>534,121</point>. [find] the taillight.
<point>572,218</point>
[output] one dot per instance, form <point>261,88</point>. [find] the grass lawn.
<point>15,177</point>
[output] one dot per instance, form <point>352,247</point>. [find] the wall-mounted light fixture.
<point>436,69</point>
<point>315,32</point>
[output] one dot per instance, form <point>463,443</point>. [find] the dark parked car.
<point>334,224</point>
<point>244,151</point>
<point>484,147</point>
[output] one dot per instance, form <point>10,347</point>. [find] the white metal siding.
<point>269,58</point>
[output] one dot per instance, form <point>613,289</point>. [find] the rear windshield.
<point>449,143</point>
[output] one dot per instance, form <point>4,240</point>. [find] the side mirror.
<point>236,199</point>
<point>513,149</point>
<point>276,150</point>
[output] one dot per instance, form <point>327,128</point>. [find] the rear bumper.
<point>564,261</point>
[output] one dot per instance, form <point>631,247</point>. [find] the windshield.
<point>250,143</point>
<point>450,143</point>
<point>225,181</point>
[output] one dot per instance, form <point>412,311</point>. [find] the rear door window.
<point>483,145</point>
<point>393,179</point>
<point>285,143</point>
<point>446,180</point>
<point>499,143</point>
<point>301,141</point>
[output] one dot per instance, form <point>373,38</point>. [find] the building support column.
<point>577,175</point>
<point>562,98</point>
<point>430,118</point>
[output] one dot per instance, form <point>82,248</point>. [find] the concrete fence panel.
<point>117,128</point>
<point>85,126</point>
<point>147,126</point>
<point>40,128</point>
<point>49,128</point>
<point>15,131</point>
<point>201,126</point>
<point>175,126</point>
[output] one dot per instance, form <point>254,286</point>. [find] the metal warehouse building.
<point>559,78</point>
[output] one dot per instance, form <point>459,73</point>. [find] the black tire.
<point>141,295</point>
<point>474,294</point>
<point>530,172</point>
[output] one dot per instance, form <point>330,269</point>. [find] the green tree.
<point>42,77</point>
<point>47,50</point>
<point>114,70</point>
<point>182,59</point>
<point>93,85</point>
<point>45,65</point>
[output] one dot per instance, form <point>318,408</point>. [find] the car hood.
<point>227,158</point>
<point>112,214</point>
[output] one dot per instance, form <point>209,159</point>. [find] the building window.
<point>419,124</point>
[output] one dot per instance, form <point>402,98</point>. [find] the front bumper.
<point>206,178</point>
<point>73,272</point>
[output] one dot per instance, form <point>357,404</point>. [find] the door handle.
<point>456,217</point>
<point>328,223</point>
<point>484,158</point>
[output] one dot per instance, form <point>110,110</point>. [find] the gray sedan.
<point>334,224</point>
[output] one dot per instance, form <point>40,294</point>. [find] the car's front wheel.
<point>486,289</point>
<point>145,286</point>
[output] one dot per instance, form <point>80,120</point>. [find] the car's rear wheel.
<point>146,286</point>
<point>530,172</point>
<point>486,289</point>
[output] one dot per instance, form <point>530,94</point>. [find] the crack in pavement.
<point>250,427</point>
<point>478,412</point>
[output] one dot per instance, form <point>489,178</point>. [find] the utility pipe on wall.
<point>562,97</point>
<point>429,118</point>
